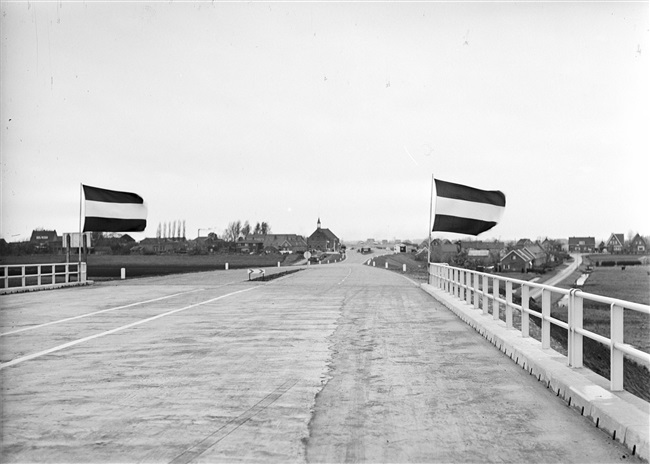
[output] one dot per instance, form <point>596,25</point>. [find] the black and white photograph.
<point>324,231</point>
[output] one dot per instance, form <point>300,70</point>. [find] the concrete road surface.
<point>336,363</point>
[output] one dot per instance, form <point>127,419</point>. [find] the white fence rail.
<point>485,290</point>
<point>17,276</point>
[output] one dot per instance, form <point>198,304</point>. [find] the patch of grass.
<point>416,270</point>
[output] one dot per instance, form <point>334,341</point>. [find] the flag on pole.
<point>466,210</point>
<point>113,211</point>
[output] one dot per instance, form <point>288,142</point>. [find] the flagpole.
<point>430,227</point>
<point>80,236</point>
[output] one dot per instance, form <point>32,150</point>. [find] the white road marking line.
<point>343,280</point>
<point>13,362</point>
<point>32,327</point>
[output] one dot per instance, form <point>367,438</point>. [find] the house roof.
<point>481,245</point>
<point>588,240</point>
<point>44,236</point>
<point>616,238</point>
<point>638,239</point>
<point>275,240</point>
<point>521,254</point>
<point>323,234</point>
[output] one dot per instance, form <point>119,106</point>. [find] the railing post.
<point>575,322</point>
<point>616,356</point>
<point>486,289</point>
<point>82,274</point>
<point>454,282</point>
<point>66,275</point>
<point>495,302</point>
<point>468,287</point>
<point>525,317</point>
<point>23,276</point>
<point>448,281</point>
<point>476,295</point>
<point>508,304</point>
<point>38,273</point>
<point>546,324</point>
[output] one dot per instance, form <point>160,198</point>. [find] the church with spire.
<point>324,239</point>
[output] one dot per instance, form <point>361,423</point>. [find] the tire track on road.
<point>208,442</point>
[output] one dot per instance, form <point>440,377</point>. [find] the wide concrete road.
<point>336,363</point>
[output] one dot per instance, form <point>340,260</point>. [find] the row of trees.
<point>236,228</point>
<point>172,229</point>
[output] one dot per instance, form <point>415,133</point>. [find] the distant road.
<point>560,276</point>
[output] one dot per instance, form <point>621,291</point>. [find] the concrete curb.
<point>625,417</point>
<point>36,288</point>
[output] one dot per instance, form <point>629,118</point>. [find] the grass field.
<point>416,270</point>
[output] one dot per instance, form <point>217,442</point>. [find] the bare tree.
<point>246,229</point>
<point>257,229</point>
<point>232,231</point>
<point>265,228</point>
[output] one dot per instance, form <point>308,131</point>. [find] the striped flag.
<point>113,211</point>
<point>466,210</point>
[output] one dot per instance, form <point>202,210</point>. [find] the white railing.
<point>483,290</point>
<point>16,276</point>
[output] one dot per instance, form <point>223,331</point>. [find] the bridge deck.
<point>335,363</point>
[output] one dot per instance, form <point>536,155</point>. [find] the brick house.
<point>582,244</point>
<point>276,243</point>
<point>323,239</point>
<point>518,259</point>
<point>638,245</point>
<point>46,241</point>
<point>615,244</point>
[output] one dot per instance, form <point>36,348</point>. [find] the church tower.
<point>318,224</point>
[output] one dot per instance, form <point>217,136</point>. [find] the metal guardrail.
<point>480,289</point>
<point>16,276</point>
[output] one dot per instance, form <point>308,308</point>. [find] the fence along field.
<point>109,266</point>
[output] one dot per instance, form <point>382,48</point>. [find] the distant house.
<point>638,245</point>
<point>126,239</point>
<point>46,241</point>
<point>285,243</point>
<point>253,243</point>
<point>405,248</point>
<point>442,251</point>
<point>522,242</point>
<point>582,244</point>
<point>484,252</point>
<point>518,259</point>
<point>323,239</point>
<point>538,253</point>
<point>615,244</point>
<point>272,243</point>
<point>551,246</point>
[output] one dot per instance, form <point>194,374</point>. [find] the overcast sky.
<point>286,112</point>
